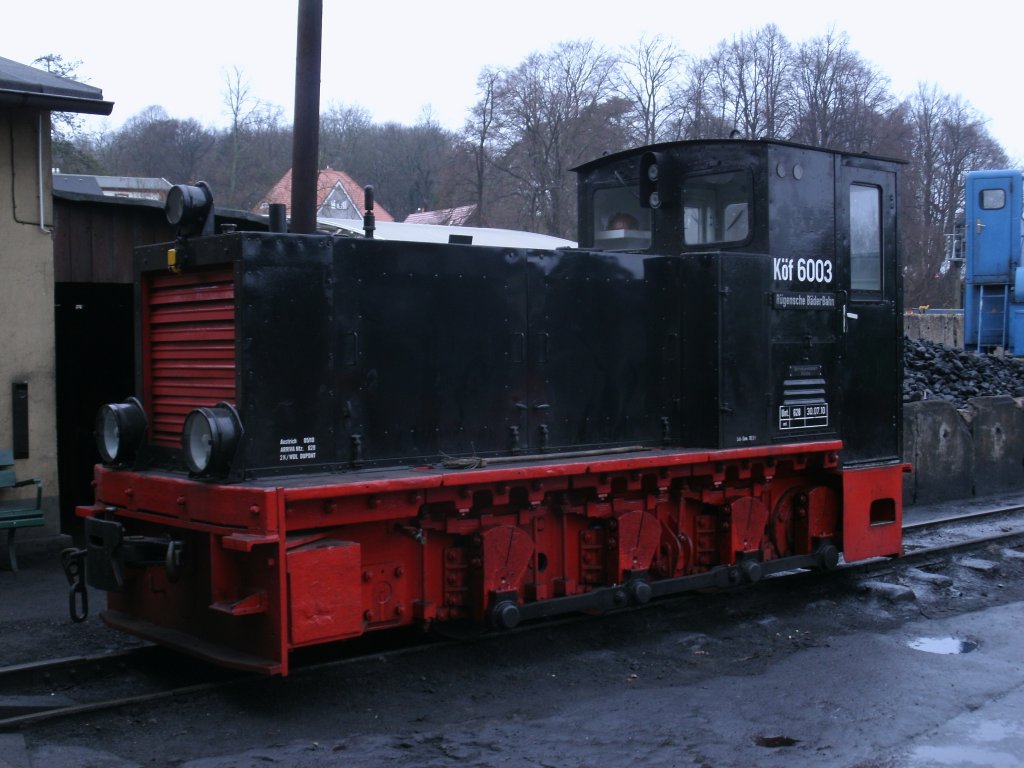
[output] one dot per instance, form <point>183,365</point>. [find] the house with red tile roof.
<point>338,196</point>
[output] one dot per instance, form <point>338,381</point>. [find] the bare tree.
<point>700,113</point>
<point>838,96</point>
<point>153,144</point>
<point>135,149</point>
<point>344,136</point>
<point>547,119</point>
<point>730,82</point>
<point>242,107</point>
<point>644,76</point>
<point>264,156</point>
<point>773,74</point>
<point>410,165</point>
<point>476,139</point>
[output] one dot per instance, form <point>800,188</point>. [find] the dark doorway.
<point>95,349</point>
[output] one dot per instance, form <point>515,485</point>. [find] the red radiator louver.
<point>188,347</point>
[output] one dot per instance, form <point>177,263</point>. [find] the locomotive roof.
<point>440,233</point>
<point>693,143</point>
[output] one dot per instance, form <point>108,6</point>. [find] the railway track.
<point>59,688</point>
<point>960,532</point>
<point>64,687</point>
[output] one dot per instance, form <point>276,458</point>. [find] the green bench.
<point>19,513</point>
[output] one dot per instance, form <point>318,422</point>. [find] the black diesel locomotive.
<point>334,435</point>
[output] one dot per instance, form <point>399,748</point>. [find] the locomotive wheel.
<point>780,525</point>
<point>828,556</point>
<point>505,615</point>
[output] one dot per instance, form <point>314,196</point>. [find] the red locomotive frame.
<point>286,567</point>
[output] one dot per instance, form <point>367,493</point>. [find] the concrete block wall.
<point>960,453</point>
<point>940,328</point>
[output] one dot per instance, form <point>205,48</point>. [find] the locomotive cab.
<point>658,210</point>
<point>787,257</point>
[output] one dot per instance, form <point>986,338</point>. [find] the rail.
<point>62,688</point>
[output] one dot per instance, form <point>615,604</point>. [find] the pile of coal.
<point>933,371</point>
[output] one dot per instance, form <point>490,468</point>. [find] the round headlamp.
<point>210,438</point>
<point>188,207</point>
<point>120,428</point>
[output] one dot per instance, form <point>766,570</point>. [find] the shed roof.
<point>81,184</point>
<point>31,88</point>
<point>114,186</point>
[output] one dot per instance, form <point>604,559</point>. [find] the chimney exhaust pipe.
<point>278,218</point>
<point>306,128</point>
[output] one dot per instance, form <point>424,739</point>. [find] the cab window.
<point>716,208</point>
<point>865,238</point>
<point>992,199</point>
<point>620,224</point>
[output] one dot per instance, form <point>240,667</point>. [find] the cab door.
<point>990,222</point>
<point>871,316</point>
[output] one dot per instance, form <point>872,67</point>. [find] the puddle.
<point>998,730</point>
<point>948,646</point>
<point>966,755</point>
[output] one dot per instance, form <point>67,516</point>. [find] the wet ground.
<point>921,668</point>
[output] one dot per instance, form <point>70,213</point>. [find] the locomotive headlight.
<point>120,428</point>
<point>659,180</point>
<point>189,208</point>
<point>210,438</point>
<point>653,199</point>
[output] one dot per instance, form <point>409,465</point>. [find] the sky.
<point>398,58</point>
